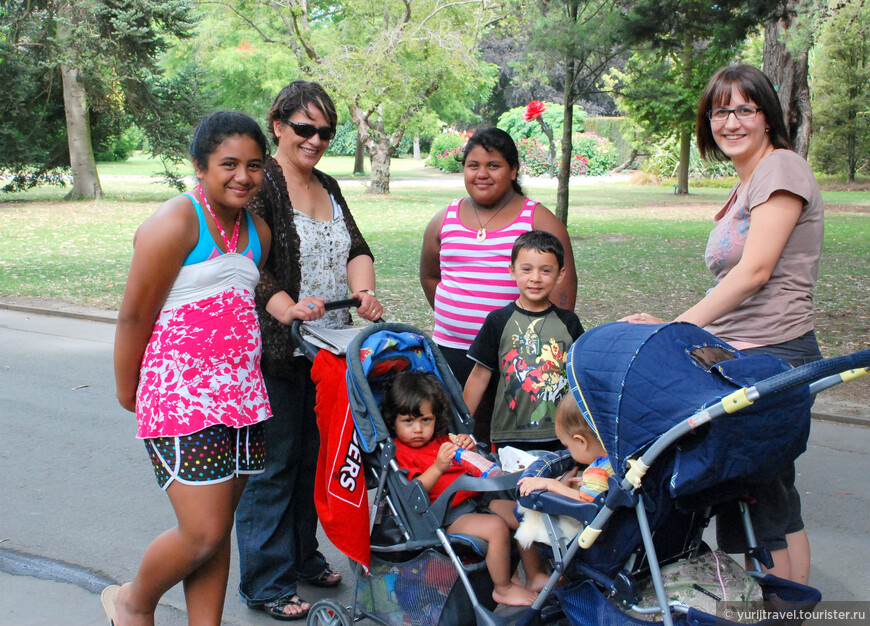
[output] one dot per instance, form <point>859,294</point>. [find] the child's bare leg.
<point>206,587</point>
<point>495,531</point>
<point>799,556</point>
<point>535,569</point>
<point>205,518</point>
<point>533,564</point>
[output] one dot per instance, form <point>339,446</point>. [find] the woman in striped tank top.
<point>467,247</point>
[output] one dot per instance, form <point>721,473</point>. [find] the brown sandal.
<point>275,609</point>
<point>327,578</point>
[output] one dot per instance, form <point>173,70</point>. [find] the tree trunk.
<point>687,63</point>
<point>381,153</point>
<point>381,149</point>
<point>852,136</point>
<point>416,147</point>
<point>562,191</point>
<point>789,75</point>
<point>683,169</point>
<point>86,182</point>
<point>359,156</point>
<point>628,162</point>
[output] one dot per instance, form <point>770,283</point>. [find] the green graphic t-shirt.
<point>528,351</point>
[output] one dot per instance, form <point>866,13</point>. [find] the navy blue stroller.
<point>419,574</point>
<point>689,423</point>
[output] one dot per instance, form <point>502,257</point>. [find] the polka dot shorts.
<point>211,455</point>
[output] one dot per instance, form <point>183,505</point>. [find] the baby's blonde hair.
<point>569,417</point>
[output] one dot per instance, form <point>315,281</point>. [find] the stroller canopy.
<point>374,357</point>
<point>633,382</point>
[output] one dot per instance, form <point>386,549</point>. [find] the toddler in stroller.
<point>415,410</point>
<point>423,570</point>
<point>689,423</point>
<point>583,446</point>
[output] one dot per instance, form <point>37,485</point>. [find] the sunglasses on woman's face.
<point>307,131</point>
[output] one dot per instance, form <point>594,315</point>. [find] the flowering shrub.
<point>445,149</point>
<point>513,124</point>
<point>533,157</point>
<point>448,161</point>
<point>599,152</point>
<point>591,156</point>
<point>579,165</point>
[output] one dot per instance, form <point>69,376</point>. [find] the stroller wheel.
<point>328,612</point>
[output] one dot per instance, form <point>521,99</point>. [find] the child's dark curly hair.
<point>408,391</point>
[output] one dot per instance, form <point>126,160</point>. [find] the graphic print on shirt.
<point>728,236</point>
<point>533,373</point>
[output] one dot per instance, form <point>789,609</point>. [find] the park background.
<point>100,98</point>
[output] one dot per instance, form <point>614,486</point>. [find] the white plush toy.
<point>532,528</point>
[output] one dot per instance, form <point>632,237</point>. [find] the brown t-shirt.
<point>782,310</point>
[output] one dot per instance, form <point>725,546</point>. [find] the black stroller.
<point>419,574</point>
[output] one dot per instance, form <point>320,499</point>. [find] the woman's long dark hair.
<point>754,85</point>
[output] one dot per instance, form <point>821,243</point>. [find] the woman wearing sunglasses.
<point>318,254</point>
<point>764,252</point>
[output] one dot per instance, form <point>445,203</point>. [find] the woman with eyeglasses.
<point>764,252</point>
<point>318,255</point>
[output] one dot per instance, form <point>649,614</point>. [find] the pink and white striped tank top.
<point>474,275</point>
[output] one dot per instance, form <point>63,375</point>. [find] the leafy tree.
<point>789,35</point>
<point>841,92</point>
<point>386,61</point>
<point>683,42</point>
<point>88,58</point>
<point>578,39</point>
<point>241,71</point>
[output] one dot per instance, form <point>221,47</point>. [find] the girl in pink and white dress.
<point>187,361</point>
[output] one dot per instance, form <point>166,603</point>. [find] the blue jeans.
<point>276,522</point>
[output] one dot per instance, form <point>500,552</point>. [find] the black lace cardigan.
<point>282,271</point>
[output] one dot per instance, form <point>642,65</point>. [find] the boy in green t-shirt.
<point>526,341</point>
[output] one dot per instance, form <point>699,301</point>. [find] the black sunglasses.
<point>307,131</point>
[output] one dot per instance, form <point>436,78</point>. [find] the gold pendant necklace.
<point>481,232</point>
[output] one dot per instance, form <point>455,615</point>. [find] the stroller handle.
<point>843,365</point>
<point>298,341</point>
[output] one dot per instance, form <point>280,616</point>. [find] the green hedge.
<point>617,130</point>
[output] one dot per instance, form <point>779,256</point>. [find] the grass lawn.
<point>636,247</point>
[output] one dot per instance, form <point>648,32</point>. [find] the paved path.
<point>79,502</point>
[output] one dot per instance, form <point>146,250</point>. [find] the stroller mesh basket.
<point>408,592</point>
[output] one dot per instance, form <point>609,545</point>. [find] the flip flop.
<point>275,609</point>
<point>323,579</point>
<point>108,598</point>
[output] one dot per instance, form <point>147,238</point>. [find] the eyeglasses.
<point>307,131</point>
<point>743,112</point>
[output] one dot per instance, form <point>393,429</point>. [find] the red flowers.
<point>534,110</point>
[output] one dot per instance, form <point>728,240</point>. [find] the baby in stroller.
<point>583,446</point>
<point>415,410</point>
